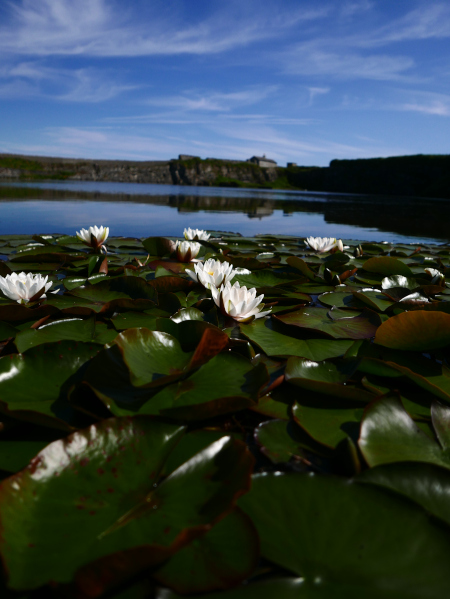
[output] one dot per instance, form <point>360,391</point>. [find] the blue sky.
<point>296,80</point>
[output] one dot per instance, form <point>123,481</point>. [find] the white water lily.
<point>437,277</point>
<point>324,244</point>
<point>239,302</point>
<point>94,236</point>
<point>187,250</point>
<point>23,287</point>
<point>196,234</point>
<point>212,273</point>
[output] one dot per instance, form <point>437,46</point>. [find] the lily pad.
<point>326,420</point>
<point>276,443</point>
<point>388,434</point>
<point>93,526</point>
<point>74,329</point>
<point>222,558</point>
<point>418,330</point>
<point>329,378</point>
<point>274,343</point>
<point>151,354</point>
<point>225,384</point>
<point>294,514</point>
<point>426,484</point>
<point>362,325</point>
<point>387,266</point>
<point>51,368</point>
<point>119,288</point>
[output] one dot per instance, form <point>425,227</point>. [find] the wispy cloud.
<point>349,55</point>
<point>213,101</point>
<point>101,28</point>
<point>427,21</point>
<point>427,103</point>
<point>316,91</point>
<point>351,8</point>
<point>33,79</point>
<point>320,58</point>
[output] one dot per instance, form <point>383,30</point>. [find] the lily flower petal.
<point>94,237</point>
<point>238,302</point>
<point>187,250</point>
<point>196,234</point>
<point>23,287</point>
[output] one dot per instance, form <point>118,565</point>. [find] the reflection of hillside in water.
<point>421,217</point>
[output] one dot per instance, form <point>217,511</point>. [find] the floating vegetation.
<point>161,437</point>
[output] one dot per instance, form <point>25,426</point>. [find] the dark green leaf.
<point>340,533</point>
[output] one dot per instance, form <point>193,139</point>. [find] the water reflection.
<point>139,210</point>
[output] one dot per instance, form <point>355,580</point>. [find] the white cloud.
<point>350,9</point>
<point>213,101</point>
<point>316,91</point>
<point>33,79</point>
<point>429,20</point>
<point>438,108</point>
<point>106,28</point>
<point>102,143</point>
<point>352,53</point>
<point>427,103</point>
<point>322,58</point>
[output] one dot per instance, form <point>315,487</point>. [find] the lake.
<point>142,210</point>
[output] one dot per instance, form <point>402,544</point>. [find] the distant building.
<point>262,161</point>
<point>291,164</point>
<point>187,157</point>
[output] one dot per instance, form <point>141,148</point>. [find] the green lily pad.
<point>191,444</point>
<point>374,299</point>
<point>73,329</point>
<point>151,354</point>
<point>92,525</point>
<point>301,265</point>
<point>388,434</point>
<point>264,278</point>
<point>227,383</point>
<point>93,492</point>
<point>273,407</point>
<point>294,514</point>
<point>340,299</point>
<point>51,369</point>
<point>362,325</point>
<point>159,246</point>
<point>329,378</point>
<point>426,484</point>
<point>227,554</point>
<point>276,443</point>
<point>119,288</point>
<point>131,320</point>
<point>387,266</point>
<point>326,420</point>
<point>274,343</point>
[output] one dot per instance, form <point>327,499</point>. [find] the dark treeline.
<point>421,175</point>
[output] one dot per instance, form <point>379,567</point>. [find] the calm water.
<point>140,210</point>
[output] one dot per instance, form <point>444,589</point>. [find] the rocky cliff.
<point>173,172</point>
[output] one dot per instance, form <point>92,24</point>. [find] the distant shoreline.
<point>419,175</point>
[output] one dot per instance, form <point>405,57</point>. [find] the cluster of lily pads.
<point>163,433</point>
